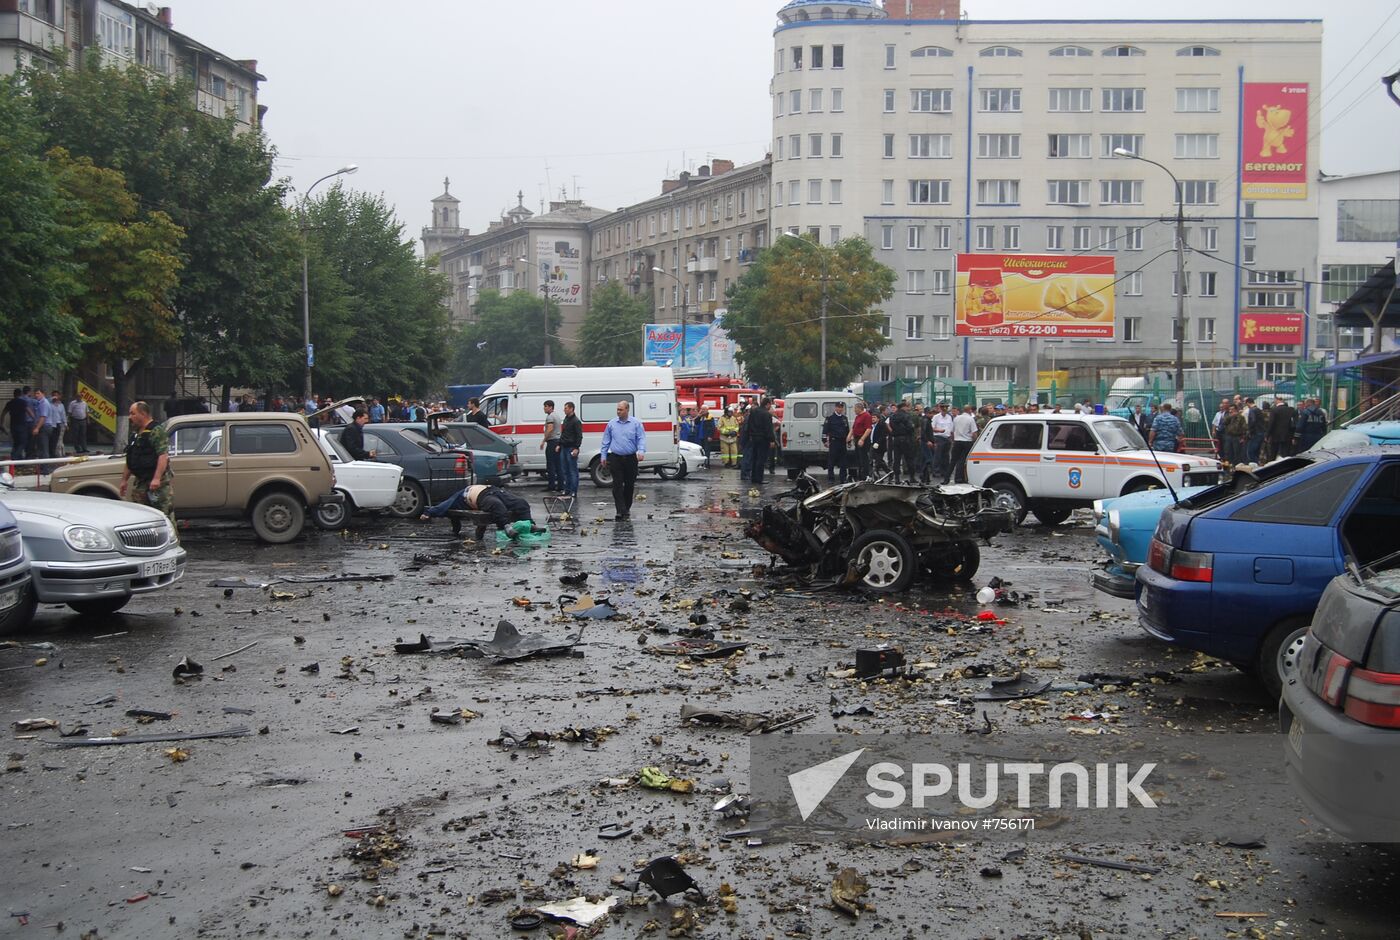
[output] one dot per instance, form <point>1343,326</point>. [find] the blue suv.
<point>1236,571</point>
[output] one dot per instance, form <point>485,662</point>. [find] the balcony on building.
<point>747,255</point>
<point>701,265</point>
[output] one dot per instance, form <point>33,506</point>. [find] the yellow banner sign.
<point>100,408</point>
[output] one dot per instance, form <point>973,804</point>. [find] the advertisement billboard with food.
<point>1035,295</point>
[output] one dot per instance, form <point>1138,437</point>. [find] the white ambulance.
<point>515,407</point>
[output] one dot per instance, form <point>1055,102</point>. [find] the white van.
<point>804,413</point>
<point>515,407</point>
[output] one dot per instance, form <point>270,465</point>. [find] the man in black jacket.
<point>475,415</point>
<point>1280,431</point>
<point>759,428</point>
<point>353,437</point>
<point>835,429</point>
<point>902,431</point>
<point>570,440</point>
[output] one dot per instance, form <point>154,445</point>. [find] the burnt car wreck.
<point>880,535</point>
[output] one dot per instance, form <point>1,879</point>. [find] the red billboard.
<point>1277,328</point>
<point>1274,150</point>
<point>1034,295</point>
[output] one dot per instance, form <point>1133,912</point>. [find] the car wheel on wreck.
<point>1010,497</point>
<point>958,563</point>
<point>887,559</point>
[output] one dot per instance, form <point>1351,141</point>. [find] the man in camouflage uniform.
<point>148,463</point>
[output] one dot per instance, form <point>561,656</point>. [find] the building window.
<point>1120,192</point>
<point>1071,52</point>
<point>940,286</point>
<point>986,237</point>
<point>887,192</point>
<point>1175,282</point>
<point>1070,99</point>
<point>1011,238</point>
<point>797,58</point>
<point>835,234</point>
<point>729,206</point>
<point>760,199</point>
<point>838,99</point>
<point>1197,146</point>
<point>817,56</point>
<point>778,151</point>
<point>1124,99</point>
<point>1001,99</point>
<point>887,237</point>
<point>931,52</point>
<point>937,100</point>
<point>916,237</point>
<point>916,373</point>
<point>835,191</point>
<point>928,192</point>
<point>930,146</point>
<point>795,146</point>
<point>1055,238</point>
<point>994,373</point>
<point>1249,230</point>
<point>1247,254</point>
<point>1108,238</point>
<point>795,101</point>
<point>1270,299</point>
<point>887,148</point>
<point>1368,220</point>
<point>889,57</point>
<point>1275,370</point>
<point>1068,146</point>
<point>1198,192</point>
<point>814,191</point>
<point>1083,238</point>
<point>1000,52</point>
<point>886,372</point>
<point>889,101</point>
<point>998,192</point>
<point>1132,329</point>
<point>794,195</point>
<point>1194,100</point>
<point>1129,142</point>
<point>116,31</point>
<point>1340,281</point>
<point>835,146</point>
<point>838,57</point>
<point>1205,330</point>
<point>1068,193</point>
<point>1122,52</point>
<point>1132,238</point>
<point>999,146</point>
<point>1272,277</point>
<point>941,325</point>
<point>1208,283</point>
<point>942,237</point>
<point>814,146</point>
<point>814,100</point>
<point>1132,284</point>
<point>1210,238</point>
<point>1197,52</point>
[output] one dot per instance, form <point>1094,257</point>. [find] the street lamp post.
<point>305,280</point>
<point>1180,266</point>
<point>544,296</point>
<point>681,303</point>
<point>824,297</point>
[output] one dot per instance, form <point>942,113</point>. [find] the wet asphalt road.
<point>245,836</point>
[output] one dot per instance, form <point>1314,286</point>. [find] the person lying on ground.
<point>503,506</point>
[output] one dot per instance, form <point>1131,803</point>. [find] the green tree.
<point>386,330</point>
<point>36,272</point>
<point>507,333</point>
<point>237,294</point>
<point>774,313</point>
<point>612,331</point>
<point>129,262</point>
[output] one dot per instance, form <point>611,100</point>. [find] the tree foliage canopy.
<point>612,331</point>
<point>508,333</point>
<point>774,313</point>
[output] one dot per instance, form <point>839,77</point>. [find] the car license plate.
<point>153,569</point>
<point>1295,737</point>
<point>9,599</point>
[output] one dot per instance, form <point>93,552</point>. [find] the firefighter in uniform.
<point>148,463</point>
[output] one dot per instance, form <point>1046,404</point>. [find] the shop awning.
<point>1361,362</point>
<point>1362,306</point>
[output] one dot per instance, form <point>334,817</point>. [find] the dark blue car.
<point>1236,571</point>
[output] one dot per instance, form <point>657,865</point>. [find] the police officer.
<point>835,429</point>
<point>148,463</point>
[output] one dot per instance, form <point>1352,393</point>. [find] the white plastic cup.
<point>986,596</point>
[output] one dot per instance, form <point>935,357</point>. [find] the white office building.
<point>930,135</point>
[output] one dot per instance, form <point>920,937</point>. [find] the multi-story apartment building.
<point>1360,227</point>
<point>39,33</point>
<point>702,231</point>
<point>520,251</point>
<point>933,135</point>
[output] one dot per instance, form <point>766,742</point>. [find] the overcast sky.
<point>608,97</point>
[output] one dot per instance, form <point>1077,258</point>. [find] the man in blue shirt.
<point>624,446</point>
<point>1166,431</point>
<point>376,411</point>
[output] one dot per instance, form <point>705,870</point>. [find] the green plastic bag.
<point>523,532</point>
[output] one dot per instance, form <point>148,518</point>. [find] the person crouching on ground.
<point>503,506</point>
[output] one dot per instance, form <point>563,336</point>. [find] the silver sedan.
<point>93,554</point>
